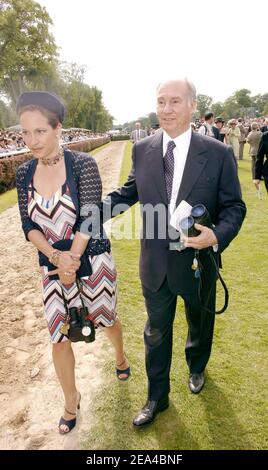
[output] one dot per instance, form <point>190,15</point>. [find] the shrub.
<point>121,137</point>
<point>8,167</point>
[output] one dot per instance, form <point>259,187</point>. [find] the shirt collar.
<point>181,140</point>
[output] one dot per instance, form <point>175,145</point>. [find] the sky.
<point>130,46</point>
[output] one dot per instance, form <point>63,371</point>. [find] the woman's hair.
<point>53,119</point>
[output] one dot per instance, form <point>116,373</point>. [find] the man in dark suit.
<point>264,128</point>
<point>173,165</point>
<point>261,164</point>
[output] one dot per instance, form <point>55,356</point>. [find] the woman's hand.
<point>66,278</point>
<point>63,276</point>
<point>68,262</point>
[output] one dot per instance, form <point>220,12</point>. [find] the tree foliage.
<point>28,61</point>
<point>239,104</point>
<point>27,49</point>
<point>148,121</point>
<point>7,116</point>
<point>242,98</point>
<point>203,104</point>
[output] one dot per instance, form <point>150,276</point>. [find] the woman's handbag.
<point>78,326</point>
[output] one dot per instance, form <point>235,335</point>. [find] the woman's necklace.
<point>54,160</point>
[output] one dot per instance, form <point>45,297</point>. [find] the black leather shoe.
<point>148,413</point>
<point>196,382</point>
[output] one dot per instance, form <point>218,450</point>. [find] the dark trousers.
<point>161,307</point>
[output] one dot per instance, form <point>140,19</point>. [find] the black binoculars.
<point>81,328</point>
<point>199,215</point>
<point>76,315</point>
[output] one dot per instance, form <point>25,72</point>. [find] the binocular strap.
<point>226,292</point>
<point>66,326</point>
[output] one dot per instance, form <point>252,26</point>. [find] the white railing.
<point>12,153</point>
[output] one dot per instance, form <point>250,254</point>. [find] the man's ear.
<point>193,106</point>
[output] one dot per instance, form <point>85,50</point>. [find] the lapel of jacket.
<point>195,163</point>
<point>156,164</point>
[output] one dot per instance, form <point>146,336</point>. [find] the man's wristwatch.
<point>54,258</point>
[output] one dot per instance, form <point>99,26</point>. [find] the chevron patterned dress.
<point>56,217</point>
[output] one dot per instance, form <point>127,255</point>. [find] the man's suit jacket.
<point>264,128</point>
<point>261,165</point>
<point>210,177</point>
<point>134,135</point>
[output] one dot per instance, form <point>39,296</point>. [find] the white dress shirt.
<point>206,129</point>
<point>180,152</point>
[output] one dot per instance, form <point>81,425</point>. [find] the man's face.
<point>174,107</point>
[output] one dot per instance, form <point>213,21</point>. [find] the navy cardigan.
<point>84,182</point>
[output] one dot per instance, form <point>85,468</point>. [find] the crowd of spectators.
<point>234,132</point>
<point>11,142</point>
<point>77,135</point>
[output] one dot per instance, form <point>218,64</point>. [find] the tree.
<point>27,48</point>
<point>265,110</point>
<point>7,117</point>
<point>231,109</point>
<point>90,112</point>
<point>242,98</point>
<point>260,103</point>
<point>203,104</point>
<point>217,108</point>
<point>153,119</point>
<point>28,61</point>
<point>73,76</point>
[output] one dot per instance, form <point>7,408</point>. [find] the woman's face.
<point>38,135</point>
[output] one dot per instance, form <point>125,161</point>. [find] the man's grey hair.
<point>189,84</point>
<point>191,89</point>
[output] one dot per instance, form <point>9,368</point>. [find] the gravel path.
<point>30,397</point>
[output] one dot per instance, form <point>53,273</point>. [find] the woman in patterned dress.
<point>52,190</point>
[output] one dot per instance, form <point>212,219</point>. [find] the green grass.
<point>9,198</point>
<point>231,412</point>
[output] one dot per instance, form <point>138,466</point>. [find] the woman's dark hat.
<point>43,99</point>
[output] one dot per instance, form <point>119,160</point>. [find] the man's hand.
<point>205,239</point>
